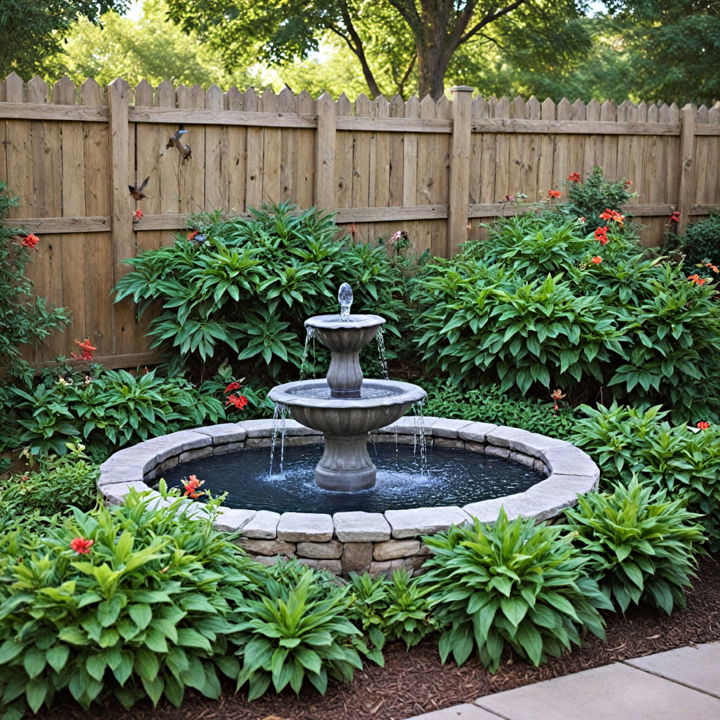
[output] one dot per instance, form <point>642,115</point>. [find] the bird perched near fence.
<point>137,191</point>
<point>176,142</point>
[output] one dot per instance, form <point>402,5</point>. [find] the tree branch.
<point>409,13</point>
<point>489,18</point>
<point>355,43</point>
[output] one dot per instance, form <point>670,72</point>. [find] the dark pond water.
<point>455,477</point>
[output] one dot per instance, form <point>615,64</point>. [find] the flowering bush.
<point>130,602</point>
<point>552,302</point>
<point>24,319</point>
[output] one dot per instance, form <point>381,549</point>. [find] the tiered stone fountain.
<point>345,407</point>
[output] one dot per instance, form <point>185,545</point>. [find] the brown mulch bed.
<point>416,682</point>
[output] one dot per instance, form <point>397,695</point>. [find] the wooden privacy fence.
<point>434,169</point>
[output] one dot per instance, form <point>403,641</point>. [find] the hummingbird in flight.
<point>176,142</point>
<point>137,191</point>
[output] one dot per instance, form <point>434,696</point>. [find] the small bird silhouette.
<point>176,142</point>
<point>137,190</point>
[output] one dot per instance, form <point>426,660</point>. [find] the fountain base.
<point>346,465</point>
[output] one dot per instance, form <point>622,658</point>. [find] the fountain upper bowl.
<point>336,322</point>
<point>381,403</point>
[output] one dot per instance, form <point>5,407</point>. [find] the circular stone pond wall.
<point>359,541</point>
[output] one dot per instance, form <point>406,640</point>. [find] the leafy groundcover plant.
<point>34,497</point>
<point>684,461</point>
<point>490,404</point>
<point>641,546</point>
<point>517,585</point>
<point>297,632</point>
<point>107,409</point>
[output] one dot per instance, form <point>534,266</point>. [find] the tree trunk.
<point>432,67</point>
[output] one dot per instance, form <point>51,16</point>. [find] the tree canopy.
<point>151,48</point>
<point>411,38</point>
<point>31,31</point>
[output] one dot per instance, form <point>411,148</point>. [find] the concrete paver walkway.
<point>682,684</point>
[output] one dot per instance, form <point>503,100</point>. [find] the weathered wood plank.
<point>459,168</point>
<point>574,127</point>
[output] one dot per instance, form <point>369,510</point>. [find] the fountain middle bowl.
<point>381,403</point>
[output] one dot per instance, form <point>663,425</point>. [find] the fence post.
<point>121,231</point>
<point>458,202</point>
<point>686,193</point>
<point>325,153</point>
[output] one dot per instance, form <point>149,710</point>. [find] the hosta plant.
<point>641,545</point>
<point>394,608</point>
<point>296,634</point>
<point>131,602</point>
<point>685,461</point>
<point>515,585</point>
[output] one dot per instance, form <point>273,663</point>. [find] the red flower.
<point>612,215</point>
<point>81,546</point>
<point>596,260</point>
<point>696,279</point>
<point>554,194</point>
<point>138,215</point>
<point>191,235</point>
<point>703,425</point>
<point>87,350</point>
<point>675,216</point>
<point>191,486</point>
<point>574,177</point>
<point>237,401</point>
<point>714,268</point>
<point>601,235</point>
<point>30,241</point>
<point>234,385</point>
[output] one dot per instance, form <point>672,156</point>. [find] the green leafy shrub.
<point>543,304</point>
<point>297,633</point>
<point>393,608</point>
<point>245,291</point>
<point>641,545</point>
<point>627,441</point>
<point>701,242</point>
<point>107,409</point>
<point>58,484</point>
<point>490,404</point>
<point>515,584</point>
<point>128,602</point>
<point>24,319</point>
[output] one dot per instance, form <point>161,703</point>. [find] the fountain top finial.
<point>345,298</point>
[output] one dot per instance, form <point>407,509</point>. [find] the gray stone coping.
<point>570,472</point>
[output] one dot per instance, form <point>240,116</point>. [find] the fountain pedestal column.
<point>346,464</point>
